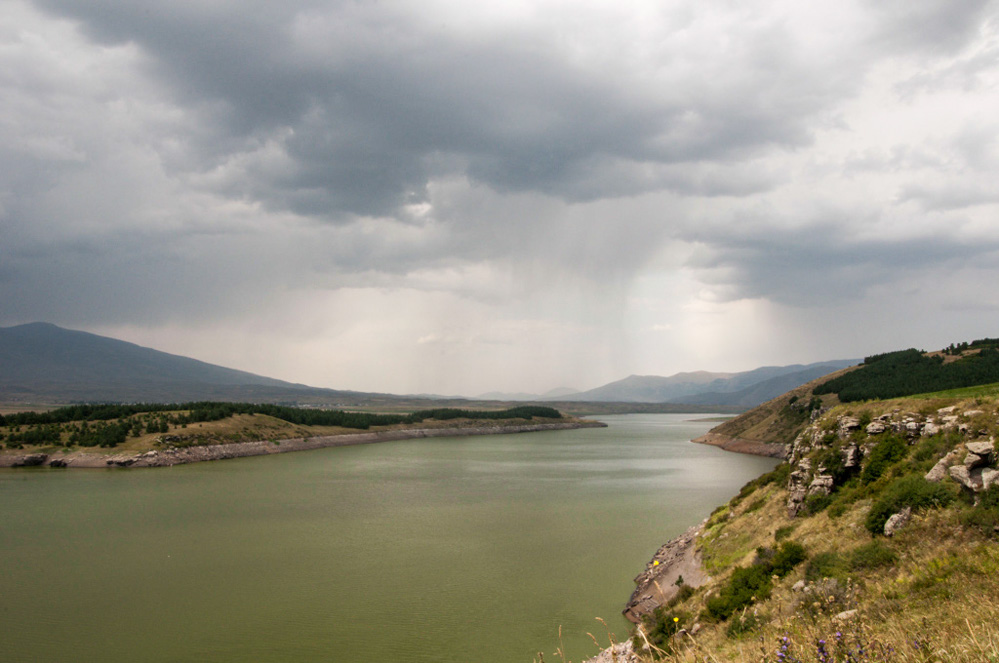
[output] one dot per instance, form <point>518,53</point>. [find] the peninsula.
<point>163,435</point>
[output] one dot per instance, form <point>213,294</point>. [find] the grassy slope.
<point>938,602</point>
<point>776,420</point>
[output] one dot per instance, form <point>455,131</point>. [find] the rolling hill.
<point>43,363</point>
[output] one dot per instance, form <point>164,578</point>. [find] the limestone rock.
<point>979,454</point>
<point>822,484</point>
<point>851,457</point>
<point>797,491</point>
<point>848,425</point>
<point>939,471</point>
<point>930,428</point>
<point>990,477</point>
<point>897,521</point>
<point>876,428</point>
<point>960,474</point>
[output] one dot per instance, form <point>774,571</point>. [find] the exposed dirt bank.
<point>676,563</point>
<point>743,446</point>
<point>196,454</point>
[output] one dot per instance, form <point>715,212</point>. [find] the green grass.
<point>979,391</point>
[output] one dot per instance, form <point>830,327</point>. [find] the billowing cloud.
<point>445,196</point>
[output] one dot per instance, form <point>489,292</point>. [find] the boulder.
<point>990,477</point>
<point>30,460</point>
<point>876,428</point>
<point>960,474</point>
<point>979,454</point>
<point>930,428</point>
<point>851,457</point>
<point>897,521</point>
<point>848,425</point>
<point>939,471</point>
<point>822,484</point>
<point>797,492</point>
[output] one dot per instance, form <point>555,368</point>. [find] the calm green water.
<point>461,549</point>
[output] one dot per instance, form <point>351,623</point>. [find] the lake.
<point>432,550</point>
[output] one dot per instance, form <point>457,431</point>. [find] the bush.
<point>872,555</point>
<point>825,565</point>
<point>789,555</point>
<point>754,583</point>
<point>783,532</point>
<point>745,585</point>
<point>911,491</point>
<point>660,626</point>
<point>984,516</point>
<point>815,504</point>
<point>888,452</point>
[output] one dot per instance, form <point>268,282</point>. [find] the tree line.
<point>109,424</point>
<point>907,372</point>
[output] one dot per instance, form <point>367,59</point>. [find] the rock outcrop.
<point>976,472</point>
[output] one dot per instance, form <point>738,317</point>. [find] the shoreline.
<point>743,446</point>
<point>197,454</point>
<point>677,558</point>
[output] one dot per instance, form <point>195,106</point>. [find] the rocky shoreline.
<point>196,454</point>
<point>743,446</point>
<point>677,562</point>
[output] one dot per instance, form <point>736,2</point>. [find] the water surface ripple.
<point>416,551</point>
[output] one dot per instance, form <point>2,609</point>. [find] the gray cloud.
<point>291,117</point>
<point>481,176</point>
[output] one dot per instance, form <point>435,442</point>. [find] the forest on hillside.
<point>908,372</point>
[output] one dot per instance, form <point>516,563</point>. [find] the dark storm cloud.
<point>821,264</point>
<point>332,109</point>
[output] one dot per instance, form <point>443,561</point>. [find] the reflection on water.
<point>460,549</point>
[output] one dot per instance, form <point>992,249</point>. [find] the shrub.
<point>783,532</point>
<point>660,626</point>
<point>910,491</point>
<point>754,583</point>
<point>871,555</point>
<point>816,503</point>
<point>984,516</point>
<point>825,565</point>
<point>745,585</point>
<point>888,452</point>
<point>789,555</point>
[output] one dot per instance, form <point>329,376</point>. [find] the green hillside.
<point>876,540</point>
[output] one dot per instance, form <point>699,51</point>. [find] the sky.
<point>450,197</point>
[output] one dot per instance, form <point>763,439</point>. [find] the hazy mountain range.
<point>40,362</point>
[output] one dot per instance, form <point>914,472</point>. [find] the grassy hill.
<point>876,540</point>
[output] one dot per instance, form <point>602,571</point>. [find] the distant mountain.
<point>552,394</point>
<point>746,389</point>
<point>762,392</point>
<point>40,362</point>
